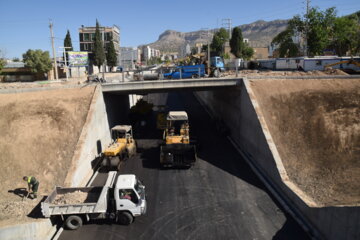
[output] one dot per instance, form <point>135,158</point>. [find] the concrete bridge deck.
<point>168,85</point>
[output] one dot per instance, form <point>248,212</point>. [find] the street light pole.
<point>66,67</point>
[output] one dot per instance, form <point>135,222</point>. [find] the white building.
<point>308,64</point>
<point>148,53</point>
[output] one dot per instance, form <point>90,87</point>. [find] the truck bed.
<point>84,200</point>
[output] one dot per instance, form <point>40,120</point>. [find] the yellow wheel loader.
<point>122,147</point>
<point>177,151</point>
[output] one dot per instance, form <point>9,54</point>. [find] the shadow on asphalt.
<point>290,229</point>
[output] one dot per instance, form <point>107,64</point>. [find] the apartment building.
<point>87,37</point>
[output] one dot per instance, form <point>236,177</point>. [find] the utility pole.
<point>307,27</point>
<point>226,23</point>
<point>208,48</point>
<point>53,49</point>
<point>104,66</point>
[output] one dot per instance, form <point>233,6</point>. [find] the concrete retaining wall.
<point>95,136</point>
<point>29,231</point>
<point>239,110</point>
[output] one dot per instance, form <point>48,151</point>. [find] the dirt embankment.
<point>39,133</point>
<point>316,128</point>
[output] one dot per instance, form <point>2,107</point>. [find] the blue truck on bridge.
<point>195,71</point>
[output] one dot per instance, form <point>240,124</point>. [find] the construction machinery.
<point>122,147</point>
<point>161,123</point>
<point>348,62</point>
<point>176,150</point>
<point>121,199</point>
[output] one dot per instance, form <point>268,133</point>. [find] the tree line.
<point>320,32</point>
<point>238,47</point>
<point>39,61</point>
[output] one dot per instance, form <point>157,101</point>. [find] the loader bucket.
<point>177,155</point>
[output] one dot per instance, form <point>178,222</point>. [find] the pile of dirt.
<point>315,125</point>
<point>75,197</point>
<point>39,133</point>
<point>260,73</point>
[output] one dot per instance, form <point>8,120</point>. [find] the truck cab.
<point>129,196</point>
<point>218,63</point>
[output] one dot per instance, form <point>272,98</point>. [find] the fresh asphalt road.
<point>219,198</point>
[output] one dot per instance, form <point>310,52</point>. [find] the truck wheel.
<point>73,222</point>
<point>216,73</point>
<point>125,218</point>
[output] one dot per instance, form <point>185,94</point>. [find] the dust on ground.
<point>39,133</point>
<point>72,82</point>
<point>316,128</point>
<point>75,198</point>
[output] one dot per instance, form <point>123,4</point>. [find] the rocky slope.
<point>259,33</point>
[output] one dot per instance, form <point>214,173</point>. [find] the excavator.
<point>177,151</point>
<point>122,147</point>
<point>350,61</point>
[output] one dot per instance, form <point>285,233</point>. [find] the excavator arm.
<point>343,62</point>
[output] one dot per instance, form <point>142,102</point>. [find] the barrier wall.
<point>238,109</point>
<point>94,137</point>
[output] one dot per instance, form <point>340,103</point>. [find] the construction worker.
<point>33,184</point>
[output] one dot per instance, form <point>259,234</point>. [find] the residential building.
<point>148,53</point>
<point>87,38</point>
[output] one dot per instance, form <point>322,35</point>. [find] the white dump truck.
<point>119,200</point>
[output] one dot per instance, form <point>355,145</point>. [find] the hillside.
<point>259,33</point>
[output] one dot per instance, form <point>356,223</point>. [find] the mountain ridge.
<point>260,34</point>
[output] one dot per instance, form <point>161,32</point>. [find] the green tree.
<point>37,60</point>
<point>346,34</point>
<point>247,52</point>
<point>287,47</point>
<point>67,41</point>
<point>15,59</point>
<point>2,61</point>
<point>317,27</point>
<point>237,42</point>
<point>111,56</point>
<point>218,41</point>
<point>98,52</point>
<point>2,64</point>
<point>320,27</point>
<point>68,44</point>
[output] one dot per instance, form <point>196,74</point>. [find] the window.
<point>86,47</point>
<point>81,37</point>
<point>128,194</point>
<point>108,36</point>
<point>318,62</point>
<point>92,36</point>
<point>86,37</point>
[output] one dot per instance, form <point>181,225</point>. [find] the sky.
<point>24,24</point>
